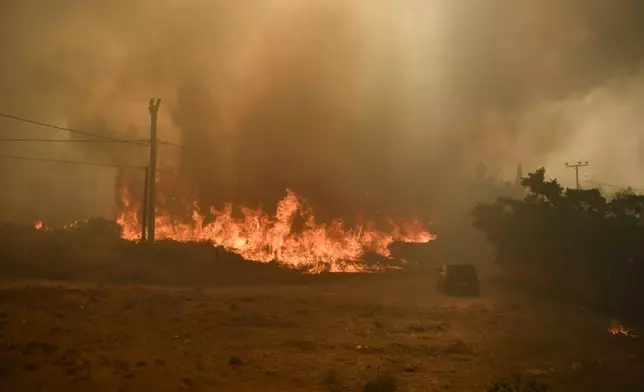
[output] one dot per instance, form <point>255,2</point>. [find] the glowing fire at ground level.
<point>259,237</point>
<point>256,236</point>
<point>620,330</point>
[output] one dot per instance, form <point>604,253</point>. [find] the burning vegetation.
<point>620,330</point>
<point>292,236</point>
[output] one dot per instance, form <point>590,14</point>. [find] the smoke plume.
<point>359,105</point>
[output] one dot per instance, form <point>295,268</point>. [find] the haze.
<point>334,99</point>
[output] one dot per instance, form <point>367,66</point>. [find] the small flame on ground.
<point>72,225</point>
<point>40,226</point>
<point>620,330</point>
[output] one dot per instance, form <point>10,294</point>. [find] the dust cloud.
<point>358,105</point>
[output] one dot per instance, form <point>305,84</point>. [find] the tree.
<point>568,233</point>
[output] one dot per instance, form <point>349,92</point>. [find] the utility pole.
<point>152,169</point>
<point>144,206</point>
<point>576,166</point>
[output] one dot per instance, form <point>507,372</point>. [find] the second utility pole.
<point>576,166</point>
<point>152,174</point>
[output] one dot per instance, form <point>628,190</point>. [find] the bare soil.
<point>333,335</point>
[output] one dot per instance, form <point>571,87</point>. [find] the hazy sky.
<point>332,98</point>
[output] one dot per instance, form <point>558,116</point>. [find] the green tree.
<point>570,233</point>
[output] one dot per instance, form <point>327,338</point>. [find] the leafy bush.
<point>577,239</point>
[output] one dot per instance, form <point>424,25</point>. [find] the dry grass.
<point>367,335</point>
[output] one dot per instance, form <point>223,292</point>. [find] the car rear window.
<point>462,270</point>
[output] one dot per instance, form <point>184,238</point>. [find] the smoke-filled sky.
<point>332,98</point>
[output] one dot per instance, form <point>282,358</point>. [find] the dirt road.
<point>330,336</point>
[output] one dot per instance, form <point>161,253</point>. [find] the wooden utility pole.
<point>152,169</point>
<point>576,166</point>
<point>144,206</point>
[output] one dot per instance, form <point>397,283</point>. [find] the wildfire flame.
<point>259,237</point>
<point>620,330</point>
<point>40,226</point>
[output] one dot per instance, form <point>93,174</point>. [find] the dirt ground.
<point>326,336</point>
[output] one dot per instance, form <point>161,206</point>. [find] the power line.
<point>70,130</point>
<point>613,186</point>
<point>159,141</point>
<point>64,161</point>
<point>70,162</point>
<point>85,133</point>
<point>69,141</point>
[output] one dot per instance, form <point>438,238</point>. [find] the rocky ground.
<point>326,336</point>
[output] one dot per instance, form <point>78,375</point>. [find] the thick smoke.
<point>358,105</point>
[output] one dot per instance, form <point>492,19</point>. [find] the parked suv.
<point>458,280</point>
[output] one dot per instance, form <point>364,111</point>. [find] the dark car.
<point>458,280</point>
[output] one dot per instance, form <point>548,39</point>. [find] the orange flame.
<point>40,226</point>
<point>259,237</point>
<point>72,225</point>
<point>620,330</point>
